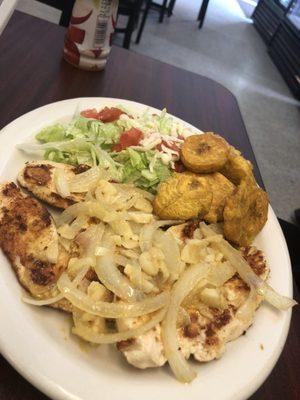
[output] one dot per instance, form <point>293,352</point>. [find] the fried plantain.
<point>245,213</point>
<point>183,196</point>
<point>221,188</point>
<point>204,153</point>
<point>237,167</point>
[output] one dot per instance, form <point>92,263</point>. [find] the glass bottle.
<point>88,39</point>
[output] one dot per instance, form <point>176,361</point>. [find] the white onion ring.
<point>247,274</point>
<point>189,278</point>
<point>101,338</point>
<point>85,181</point>
<point>110,310</point>
<point>148,230</point>
<point>90,208</point>
<point>60,296</point>
<point>246,312</point>
<point>61,183</point>
<point>110,276</point>
<point>90,239</point>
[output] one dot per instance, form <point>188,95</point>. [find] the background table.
<point>32,74</point>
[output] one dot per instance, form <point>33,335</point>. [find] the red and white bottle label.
<point>88,40</point>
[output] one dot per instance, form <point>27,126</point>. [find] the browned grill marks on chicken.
<point>80,168</point>
<point>223,319</point>
<point>22,224</point>
<point>211,338</point>
<point>61,202</point>
<point>11,190</point>
<point>14,221</point>
<point>238,284</point>
<point>194,315</point>
<point>45,217</point>
<point>125,343</point>
<point>38,174</point>
<point>40,179</point>
<point>212,341</point>
<point>255,259</point>
<point>91,275</point>
<point>205,336</point>
<point>41,272</point>
<point>192,330</point>
<point>94,220</point>
<point>26,233</point>
<point>220,320</point>
<point>189,229</point>
<point>13,225</point>
<point>232,308</point>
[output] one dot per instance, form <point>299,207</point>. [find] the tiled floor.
<point>229,50</point>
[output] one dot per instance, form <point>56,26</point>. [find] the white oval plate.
<point>37,342</point>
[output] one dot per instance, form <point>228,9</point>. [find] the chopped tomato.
<point>109,114</point>
<point>132,137</point>
<point>170,145</point>
<point>179,167</point>
<point>117,147</point>
<point>105,115</point>
<point>90,113</point>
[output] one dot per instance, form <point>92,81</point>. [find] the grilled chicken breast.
<point>29,239</point>
<point>39,178</point>
<point>207,333</point>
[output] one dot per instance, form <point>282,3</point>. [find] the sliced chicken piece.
<point>145,351</point>
<point>206,335</point>
<point>29,239</point>
<point>39,178</point>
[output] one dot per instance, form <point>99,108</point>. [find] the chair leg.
<point>162,11</point>
<point>170,8</point>
<point>67,12</point>
<point>127,40</point>
<point>128,32</point>
<point>145,15</point>
<point>202,13</point>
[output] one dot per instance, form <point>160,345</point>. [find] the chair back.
<point>65,6</point>
<point>7,7</point>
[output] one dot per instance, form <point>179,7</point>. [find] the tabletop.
<point>32,74</point>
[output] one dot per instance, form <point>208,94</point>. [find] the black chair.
<point>66,7</point>
<point>161,8</point>
<point>131,9</point>
<point>201,15</point>
<point>168,9</point>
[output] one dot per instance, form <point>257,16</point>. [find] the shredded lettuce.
<point>165,123</point>
<point>54,133</point>
<point>96,131</point>
<point>136,168</point>
<point>90,141</point>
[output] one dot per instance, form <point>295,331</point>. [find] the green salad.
<point>141,149</point>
